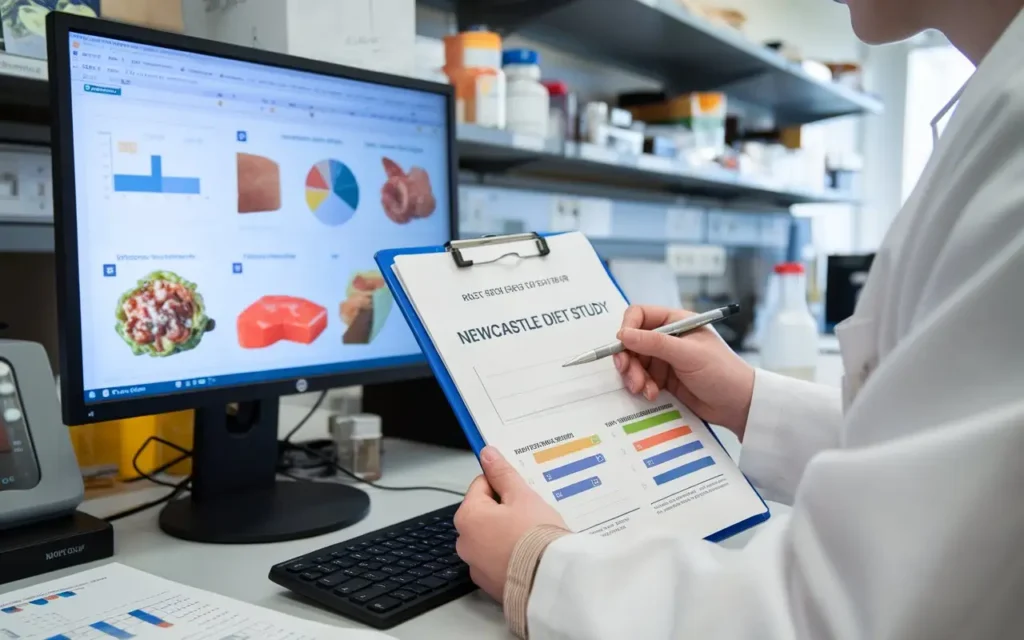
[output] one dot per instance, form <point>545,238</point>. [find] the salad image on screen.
<point>406,196</point>
<point>162,315</point>
<point>366,308</point>
<point>24,22</point>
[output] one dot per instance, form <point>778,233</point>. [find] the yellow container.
<point>105,450</point>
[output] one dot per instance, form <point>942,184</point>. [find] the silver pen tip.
<point>581,359</point>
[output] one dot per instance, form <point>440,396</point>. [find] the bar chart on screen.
<point>527,390</point>
<point>583,482</point>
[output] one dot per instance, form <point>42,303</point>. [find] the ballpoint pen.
<point>678,328</point>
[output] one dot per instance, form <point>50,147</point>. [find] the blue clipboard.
<point>385,260</point>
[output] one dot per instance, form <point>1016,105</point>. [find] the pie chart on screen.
<point>332,192</point>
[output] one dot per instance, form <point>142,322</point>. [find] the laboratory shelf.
<point>662,40</point>
<point>492,151</point>
<point>21,237</point>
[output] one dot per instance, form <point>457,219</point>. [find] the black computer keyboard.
<point>385,577</point>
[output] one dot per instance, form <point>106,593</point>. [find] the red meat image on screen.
<point>406,196</point>
<point>274,318</point>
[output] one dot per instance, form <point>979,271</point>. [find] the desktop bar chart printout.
<point>606,459</point>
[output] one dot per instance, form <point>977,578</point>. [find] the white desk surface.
<point>240,571</point>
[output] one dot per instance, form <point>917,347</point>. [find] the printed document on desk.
<point>606,459</point>
<point>117,602</point>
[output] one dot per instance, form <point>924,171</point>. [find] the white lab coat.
<point>908,507</point>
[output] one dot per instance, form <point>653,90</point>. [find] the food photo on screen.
<point>163,314</point>
<point>366,308</point>
<point>406,196</point>
<point>277,318</point>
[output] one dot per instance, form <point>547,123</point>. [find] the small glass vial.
<point>358,442</point>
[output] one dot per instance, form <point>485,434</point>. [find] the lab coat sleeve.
<point>911,529</point>
<point>789,421</point>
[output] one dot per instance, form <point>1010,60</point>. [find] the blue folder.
<point>385,262</point>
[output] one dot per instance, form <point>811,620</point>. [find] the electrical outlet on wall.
<point>696,259</point>
<point>565,214</point>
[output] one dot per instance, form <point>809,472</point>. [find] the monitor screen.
<point>228,213</point>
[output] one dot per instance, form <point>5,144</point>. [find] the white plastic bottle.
<point>528,101</point>
<point>790,342</point>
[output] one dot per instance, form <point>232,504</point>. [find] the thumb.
<point>502,476</point>
<point>652,343</point>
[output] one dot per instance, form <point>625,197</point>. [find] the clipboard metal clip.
<point>456,247</point>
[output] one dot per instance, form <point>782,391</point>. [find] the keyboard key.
<point>438,553</point>
<point>322,559</point>
<point>370,566</point>
<point>450,537</point>
<point>401,553</point>
<point>344,563</point>
<point>420,572</point>
<point>350,587</point>
<point>418,548</point>
<point>379,539</point>
<point>403,595</point>
<point>419,535</point>
<point>391,544</point>
<point>383,605</point>
<point>374,575</point>
<point>354,571</point>
<point>450,560</point>
<point>433,566</point>
<point>298,567</point>
<point>377,551</point>
<point>392,569</point>
<point>431,582</point>
<point>391,535</point>
<point>418,589</point>
<point>404,578</point>
<point>405,540</point>
<point>360,556</point>
<point>433,528</point>
<point>422,557</point>
<point>388,559</point>
<point>374,591</point>
<point>333,580</point>
<point>447,574</point>
<point>310,576</point>
<point>436,541</point>
<point>408,563</point>
<point>325,569</point>
<point>338,555</point>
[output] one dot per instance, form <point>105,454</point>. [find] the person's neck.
<point>974,26</point>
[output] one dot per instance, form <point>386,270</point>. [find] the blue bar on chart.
<point>111,630</point>
<point>39,601</point>
<point>672,454</point>
<point>11,609</point>
<point>577,488</point>
<point>573,467</point>
<point>155,182</point>
<point>59,637</point>
<point>686,469</point>
<point>149,618</point>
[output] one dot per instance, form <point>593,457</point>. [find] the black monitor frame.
<point>75,409</point>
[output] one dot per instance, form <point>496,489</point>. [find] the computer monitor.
<point>217,212</point>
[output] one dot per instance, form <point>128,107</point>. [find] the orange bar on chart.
<point>664,436</point>
<point>566,448</point>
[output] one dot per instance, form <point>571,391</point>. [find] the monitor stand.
<point>236,497</point>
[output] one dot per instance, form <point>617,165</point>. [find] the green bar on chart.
<point>652,421</point>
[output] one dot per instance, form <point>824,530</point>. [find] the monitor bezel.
<point>69,312</point>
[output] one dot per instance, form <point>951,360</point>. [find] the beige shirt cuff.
<point>522,568</point>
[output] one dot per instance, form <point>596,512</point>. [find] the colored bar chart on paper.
<point>39,602</point>
<point>111,630</point>
<point>577,488</point>
<point>661,438</point>
<point>11,609</point>
<point>573,467</point>
<point>672,454</point>
<point>686,469</point>
<point>651,421</point>
<point>67,594</point>
<point>149,618</point>
<point>155,181</point>
<point>565,449</point>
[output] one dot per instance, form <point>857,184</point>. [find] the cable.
<point>142,475</point>
<point>368,483</point>
<point>312,410</point>
<point>178,488</point>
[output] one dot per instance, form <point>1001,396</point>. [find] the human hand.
<point>698,368</point>
<point>488,529</point>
